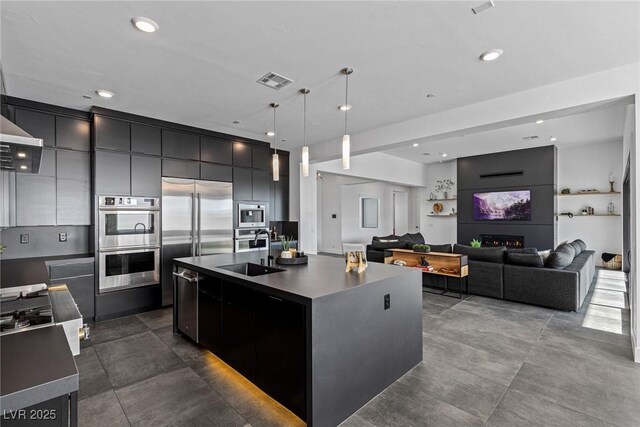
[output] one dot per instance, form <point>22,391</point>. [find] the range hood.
<point>19,151</point>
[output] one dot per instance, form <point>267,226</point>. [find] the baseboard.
<point>635,348</point>
<point>331,251</point>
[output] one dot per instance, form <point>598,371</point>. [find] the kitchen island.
<point>320,341</point>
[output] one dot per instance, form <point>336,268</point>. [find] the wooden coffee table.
<point>444,264</point>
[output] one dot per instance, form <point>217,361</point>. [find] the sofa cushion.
<point>544,254</point>
<point>576,247</point>
<point>561,257</point>
<point>481,254</point>
<point>446,248</point>
<point>524,259</point>
<point>389,238</point>
<point>413,239</point>
<point>583,245</point>
<point>391,244</point>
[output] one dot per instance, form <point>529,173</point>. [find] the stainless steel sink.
<point>251,269</point>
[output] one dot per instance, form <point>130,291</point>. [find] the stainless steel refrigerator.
<point>197,219</point>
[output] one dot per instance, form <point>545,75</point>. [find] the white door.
<point>400,213</point>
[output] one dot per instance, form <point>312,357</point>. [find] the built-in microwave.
<point>252,215</point>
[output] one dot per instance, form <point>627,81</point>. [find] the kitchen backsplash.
<point>44,241</point>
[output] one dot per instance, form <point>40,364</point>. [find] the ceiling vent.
<point>528,138</point>
<point>274,81</point>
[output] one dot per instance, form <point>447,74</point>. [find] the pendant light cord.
<point>305,118</point>
<point>346,103</point>
<point>275,148</point>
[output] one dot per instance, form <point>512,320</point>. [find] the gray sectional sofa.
<point>562,281</point>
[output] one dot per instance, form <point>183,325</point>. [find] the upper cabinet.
<point>180,145</point>
<point>36,193</point>
<point>242,154</point>
<point>112,173</point>
<point>261,158</point>
<point>111,134</point>
<point>39,125</point>
<point>146,139</point>
<point>73,134</point>
<point>73,188</point>
<point>215,150</point>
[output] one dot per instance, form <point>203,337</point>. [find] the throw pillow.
<point>583,245</point>
<point>415,238</point>
<point>561,257</point>
<point>524,259</point>
<point>576,247</point>
<point>523,250</point>
<point>545,254</point>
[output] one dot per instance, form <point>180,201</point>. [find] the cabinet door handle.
<point>187,278</point>
<point>275,298</point>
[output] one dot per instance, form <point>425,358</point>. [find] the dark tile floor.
<point>486,362</point>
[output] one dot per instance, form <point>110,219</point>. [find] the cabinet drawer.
<point>82,291</point>
<point>71,269</point>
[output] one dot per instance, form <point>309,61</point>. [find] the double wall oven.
<point>128,242</point>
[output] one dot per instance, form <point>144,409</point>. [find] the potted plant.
<point>444,185</point>
<point>421,248</point>
<point>286,246</point>
<point>475,243</point>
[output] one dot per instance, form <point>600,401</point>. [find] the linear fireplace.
<point>492,240</point>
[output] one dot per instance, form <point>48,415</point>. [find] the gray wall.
<point>536,171</point>
<point>43,241</point>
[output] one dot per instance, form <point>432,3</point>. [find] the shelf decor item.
<point>356,260</point>
<point>438,208</point>
<point>475,243</point>
<point>444,185</point>
<point>421,248</point>
<point>565,191</point>
<point>612,180</point>
<point>297,260</point>
<point>611,208</point>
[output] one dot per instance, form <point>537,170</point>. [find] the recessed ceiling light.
<point>444,154</point>
<point>491,55</point>
<point>553,138</point>
<point>236,122</point>
<point>345,107</point>
<point>415,144</point>
<point>104,93</point>
<point>539,121</point>
<point>270,133</point>
<point>22,154</point>
<point>23,167</point>
<point>430,95</point>
<point>145,24</point>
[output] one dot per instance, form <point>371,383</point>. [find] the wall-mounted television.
<point>502,206</point>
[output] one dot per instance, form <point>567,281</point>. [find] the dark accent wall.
<point>533,169</point>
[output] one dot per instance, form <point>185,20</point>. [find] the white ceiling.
<point>601,123</point>
<point>200,68</point>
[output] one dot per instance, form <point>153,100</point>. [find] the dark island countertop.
<point>35,366</point>
<point>322,276</point>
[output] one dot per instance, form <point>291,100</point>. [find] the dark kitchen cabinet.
<point>146,176</point>
<point>281,199</point>
<point>36,193</point>
<point>73,134</point>
<point>261,180</point>
<point>146,139</point>
<point>242,154</point>
<point>180,169</point>
<point>214,172</point>
<point>73,188</point>
<point>111,134</point>
<point>215,150</point>
<point>238,331</point>
<point>280,351</point>
<point>39,125</point>
<point>242,184</point>
<point>180,145</point>
<point>261,158</point>
<point>112,173</point>
<point>210,313</point>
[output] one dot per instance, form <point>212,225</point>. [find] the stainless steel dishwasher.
<point>186,304</point>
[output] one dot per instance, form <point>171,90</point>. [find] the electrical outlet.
<point>62,237</point>
<point>24,238</point>
<point>334,216</point>
<point>387,301</point>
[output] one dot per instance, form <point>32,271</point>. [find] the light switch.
<point>62,237</point>
<point>24,238</point>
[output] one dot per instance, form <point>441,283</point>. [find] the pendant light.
<point>305,148</point>
<point>275,161</point>
<point>346,139</point>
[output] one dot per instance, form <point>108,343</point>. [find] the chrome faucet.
<point>269,256</point>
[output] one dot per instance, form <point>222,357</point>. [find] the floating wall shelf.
<point>442,200</point>
<point>599,193</point>
<point>442,216</point>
